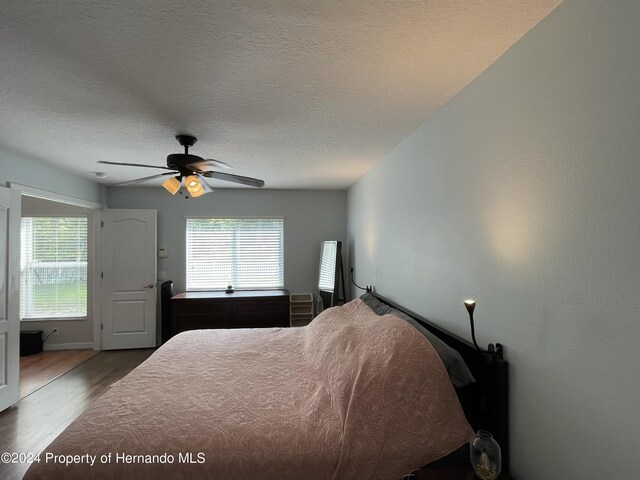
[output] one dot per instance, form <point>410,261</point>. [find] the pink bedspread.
<point>351,396</point>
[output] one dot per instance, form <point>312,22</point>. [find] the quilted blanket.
<point>350,396</point>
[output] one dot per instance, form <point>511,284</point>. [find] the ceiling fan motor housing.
<point>179,161</point>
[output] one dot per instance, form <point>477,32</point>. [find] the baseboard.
<point>68,346</point>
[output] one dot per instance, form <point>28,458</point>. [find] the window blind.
<point>247,253</point>
<point>53,267</point>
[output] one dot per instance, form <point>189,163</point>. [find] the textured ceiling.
<point>304,94</point>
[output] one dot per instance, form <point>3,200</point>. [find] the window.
<point>53,267</point>
<point>247,253</point>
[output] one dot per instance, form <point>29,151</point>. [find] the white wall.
<point>72,333</point>
<point>524,192</point>
<point>32,173</point>
<point>310,217</point>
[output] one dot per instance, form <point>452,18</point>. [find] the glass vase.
<point>485,456</point>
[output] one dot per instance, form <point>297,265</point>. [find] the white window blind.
<point>247,253</point>
<point>53,267</point>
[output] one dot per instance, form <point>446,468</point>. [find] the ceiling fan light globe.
<point>198,193</point>
<point>194,185</point>
<point>192,182</point>
<point>172,185</point>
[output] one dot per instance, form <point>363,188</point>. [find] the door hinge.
<point>101,326</point>
<point>102,224</point>
<point>101,274</point>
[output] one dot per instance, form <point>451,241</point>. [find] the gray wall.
<point>523,192</point>
<point>72,333</point>
<point>32,173</point>
<point>310,217</point>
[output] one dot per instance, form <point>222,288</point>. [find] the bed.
<point>353,395</point>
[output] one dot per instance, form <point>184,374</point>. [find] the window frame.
<point>89,268</point>
<point>233,217</point>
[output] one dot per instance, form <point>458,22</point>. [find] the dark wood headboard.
<point>486,402</point>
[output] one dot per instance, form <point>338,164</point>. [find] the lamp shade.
<point>192,182</point>
<point>172,185</point>
<point>471,305</point>
<point>197,186</point>
<point>194,186</point>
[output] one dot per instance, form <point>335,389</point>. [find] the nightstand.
<point>450,473</point>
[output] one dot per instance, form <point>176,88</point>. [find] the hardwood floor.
<point>38,370</point>
<point>32,423</point>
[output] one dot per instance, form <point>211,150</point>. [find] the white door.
<point>128,279</point>
<point>9,296</point>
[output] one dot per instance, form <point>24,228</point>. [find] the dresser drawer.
<point>273,312</point>
<point>195,321</point>
<point>197,314</point>
<point>215,307</point>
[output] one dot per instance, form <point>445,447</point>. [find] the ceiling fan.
<point>192,168</point>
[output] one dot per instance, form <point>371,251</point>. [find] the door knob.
<point>151,285</point>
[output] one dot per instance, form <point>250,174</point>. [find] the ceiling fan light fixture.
<point>193,183</point>
<point>172,185</point>
<point>195,186</point>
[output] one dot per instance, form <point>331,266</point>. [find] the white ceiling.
<point>303,94</point>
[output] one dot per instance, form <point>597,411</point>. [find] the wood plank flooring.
<point>39,369</point>
<point>33,423</point>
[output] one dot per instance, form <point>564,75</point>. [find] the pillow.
<point>458,371</point>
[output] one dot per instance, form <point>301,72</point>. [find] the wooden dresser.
<point>241,309</point>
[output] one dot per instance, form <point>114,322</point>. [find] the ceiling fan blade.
<point>207,165</point>
<point>218,163</point>
<point>134,165</point>
<point>228,177</point>
<point>140,180</point>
